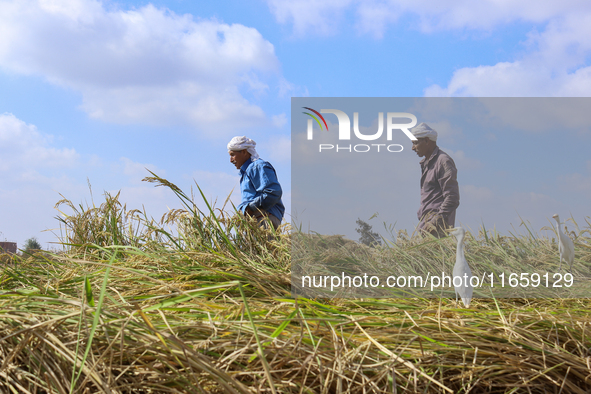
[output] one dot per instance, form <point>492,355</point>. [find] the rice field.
<point>201,302</point>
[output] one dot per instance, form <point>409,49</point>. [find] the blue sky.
<point>99,90</point>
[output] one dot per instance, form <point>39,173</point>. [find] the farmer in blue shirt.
<point>260,189</point>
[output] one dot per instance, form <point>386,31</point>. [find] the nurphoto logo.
<point>344,132</point>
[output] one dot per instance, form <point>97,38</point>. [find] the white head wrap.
<point>241,143</point>
<point>423,130</point>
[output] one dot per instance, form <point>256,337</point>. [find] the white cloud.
<point>24,149</point>
<point>577,183</point>
<point>137,171</point>
<point>33,173</point>
<point>279,120</point>
<point>144,65</point>
<point>173,105</point>
<point>462,161</point>
<point>279,149</point>
<point>288,89</point>
<point>554,65</point>
<point>309,15</point>
<point>374,16</point>
<point>553,62</point>
<point>488,14</point>
<point>476,194</point>
<point>445,130</point>
<point>523,78</point>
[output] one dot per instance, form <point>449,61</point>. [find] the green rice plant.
<point>179,310</point>
<point>495,255</point>
<point>108,224</point>
<point>160,332</point>
<point>217,234</point>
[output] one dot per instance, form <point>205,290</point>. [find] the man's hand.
<point>435,223</point>
<point>438,221</point>
<point>248,211</point>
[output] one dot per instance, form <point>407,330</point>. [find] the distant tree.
<point>367,237</point>
<point>32,245</point>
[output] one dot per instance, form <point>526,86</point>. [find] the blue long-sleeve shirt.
<point>260,188</point>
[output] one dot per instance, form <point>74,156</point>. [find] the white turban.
<point>423,130</point>
<point>241,143</point>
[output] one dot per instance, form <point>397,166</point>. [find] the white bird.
<point>461,268</point>
<point>566,247</point>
